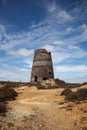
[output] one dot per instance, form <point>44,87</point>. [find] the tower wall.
<point>42,68</point>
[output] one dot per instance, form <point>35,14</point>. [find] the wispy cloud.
<point>49,47</point>
<point>80,68</point>
<point>64,15</point>
<point>21,52</point>
<point>50,6</point>
<point>58,33</point>
<point>2,30</point>
<point>15,74</point>
<point>71,73</point>
<point>58,42</point>
<point>28,62</point>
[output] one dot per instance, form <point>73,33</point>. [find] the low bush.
<point>2,107</point>
<point>80,95</point>
<point>72,96</point>
<point>66,92</point>
<point>63,84</point>
<point>58,81</point>
<point>84,128</point>
<point>7,94</point>
<point>83,92</point>
<point>85,83</point>
<point>11,84</point>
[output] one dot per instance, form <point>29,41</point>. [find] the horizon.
<point>59,26</point>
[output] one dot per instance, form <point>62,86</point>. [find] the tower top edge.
<point>41,51</point>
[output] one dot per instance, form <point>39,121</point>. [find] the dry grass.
<point>6,94</point>
<point>48,110</point>
<point>79,95</point>
<point>66,92</point>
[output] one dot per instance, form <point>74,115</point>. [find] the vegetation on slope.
<point>6,94</point>
<point>79,95</point>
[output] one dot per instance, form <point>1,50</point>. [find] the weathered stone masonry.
<point>42,68</point>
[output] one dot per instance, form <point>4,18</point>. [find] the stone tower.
<point>42,68</point>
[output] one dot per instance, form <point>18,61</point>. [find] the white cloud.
<point>83,36</point>
<point>66,16</point>
<point>80,10</point>
<point>80,68</point>
<point>74,47</point>
<point>4,65</point>
<point>76,35</point>
<point>28,62</point>
<point>58,42</point>
<point>50,6</point>
<point>71,73</point>
<point>7,46</point>
<point>15,74</point>
<point>56,33</point>
<point>69,29</point>
<point>49,47</point>
<point>83,26</point>
<point>2,30</point>
<point>59,57</point>
<point>21,52</point>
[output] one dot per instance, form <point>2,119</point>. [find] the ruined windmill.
<point>42,68</point>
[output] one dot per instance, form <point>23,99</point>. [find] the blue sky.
<point>60,26</point>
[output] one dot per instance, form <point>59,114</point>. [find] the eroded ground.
<point>44,110</point>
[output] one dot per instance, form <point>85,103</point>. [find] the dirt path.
<point>40,110</point>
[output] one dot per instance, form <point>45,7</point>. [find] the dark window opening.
<point>50,73</point>
<point>44,78</point>
<point>35,78</point>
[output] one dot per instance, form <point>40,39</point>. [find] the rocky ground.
<point>44,110</point>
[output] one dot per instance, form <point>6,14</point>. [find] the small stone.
<point>40,125</point>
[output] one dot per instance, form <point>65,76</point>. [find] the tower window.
<point>35,79</point>
<point>50,73</point>
<point>44,78</point>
